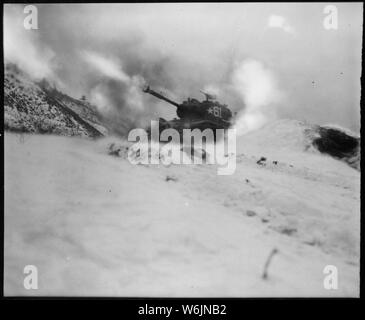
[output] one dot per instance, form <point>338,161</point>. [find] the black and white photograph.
<point>182,150</point>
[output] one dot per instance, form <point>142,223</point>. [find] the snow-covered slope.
<point>288,137</point>
<point>39,108</point>
<point>94,224</point>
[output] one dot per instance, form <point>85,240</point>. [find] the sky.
<point>266,61</point>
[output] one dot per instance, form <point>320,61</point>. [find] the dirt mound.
<point>339,144</point>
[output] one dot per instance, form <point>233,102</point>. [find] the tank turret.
<point>193,113</point>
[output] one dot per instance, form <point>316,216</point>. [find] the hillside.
<point>38,108</point>
<point>292,136</point>
<point>94,224</point>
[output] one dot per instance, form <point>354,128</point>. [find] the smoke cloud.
<point>115,88</point>
<point>258,90</point>
<point>107,52</point>
<point>107,67</point>
<point>276,21</point>
<point>24,48</point>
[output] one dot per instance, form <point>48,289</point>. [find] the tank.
<point>192,114</point>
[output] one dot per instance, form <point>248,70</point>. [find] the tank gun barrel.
<point>160,96</point>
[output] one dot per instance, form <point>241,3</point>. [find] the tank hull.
<point>181,124</point>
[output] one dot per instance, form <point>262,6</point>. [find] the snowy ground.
<point>96,225</point>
